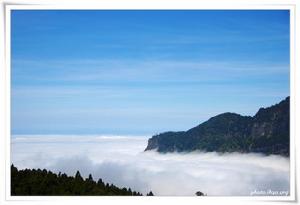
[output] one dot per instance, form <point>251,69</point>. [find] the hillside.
<point>266,132</point>
<point>32,182</point>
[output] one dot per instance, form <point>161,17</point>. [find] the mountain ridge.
<point>266,132</point>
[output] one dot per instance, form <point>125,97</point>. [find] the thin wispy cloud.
<point>141,70</point>
<point>139,93</point>
<point>90,63</point>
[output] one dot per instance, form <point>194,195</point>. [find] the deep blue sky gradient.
<point>143,72</point>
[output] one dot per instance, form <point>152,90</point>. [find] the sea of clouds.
<point>121,160</point>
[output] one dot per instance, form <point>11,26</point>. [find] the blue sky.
<point>143,72</point>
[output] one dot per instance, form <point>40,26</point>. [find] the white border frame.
<point>137,5</point>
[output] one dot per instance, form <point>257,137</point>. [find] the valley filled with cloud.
<point>121,160</point>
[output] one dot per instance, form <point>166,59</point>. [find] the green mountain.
<point>266,132</point>
<point>37,182</point>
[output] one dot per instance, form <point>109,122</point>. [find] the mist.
<point>121,160</point>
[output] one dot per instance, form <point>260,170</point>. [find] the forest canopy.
<point>37,182</point>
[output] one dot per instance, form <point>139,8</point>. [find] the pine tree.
<point>150,194</point>
<point>42,182</point>
<point>78,176</point>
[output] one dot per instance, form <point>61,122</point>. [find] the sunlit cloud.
<point>120,160</point>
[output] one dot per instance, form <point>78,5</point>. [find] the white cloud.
<point>145,70</point>
<point>120,160</point>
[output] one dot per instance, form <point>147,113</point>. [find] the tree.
<point>78,176</point>
<point>100,183</point>
<point>199,193</point>
<point>90,178</point>
<point>42,182</point>
<point>150,194</point>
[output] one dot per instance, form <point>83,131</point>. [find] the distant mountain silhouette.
<point>266,132</point>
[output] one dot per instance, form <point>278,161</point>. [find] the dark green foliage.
<point>199,193</point>
<point>45,183</point>
<point>267,132</point>
<point>150,194</point>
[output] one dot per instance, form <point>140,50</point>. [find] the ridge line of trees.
<point>37,182</point>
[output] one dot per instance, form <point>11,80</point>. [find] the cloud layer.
<point>120,160</point>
